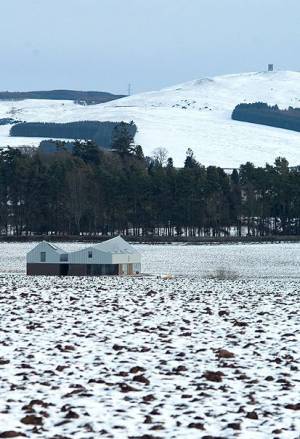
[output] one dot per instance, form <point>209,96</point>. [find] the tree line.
<point>89,191</point>
<point>264,114</point>
<point>89,97</point>
<point>101,133</point>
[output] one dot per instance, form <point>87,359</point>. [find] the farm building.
<point>112,257</point>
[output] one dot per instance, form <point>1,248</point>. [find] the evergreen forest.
<point>92,191</point>
<point>80,97</point>
<point>101,133</point>
<point>264,114</point>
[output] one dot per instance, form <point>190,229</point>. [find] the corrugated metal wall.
<point>130,258</point>
<point>81,256</point>
<point>34,256</point>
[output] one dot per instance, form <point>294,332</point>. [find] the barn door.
<point>64,269</point>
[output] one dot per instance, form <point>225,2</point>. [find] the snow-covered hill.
<point>196,114</point>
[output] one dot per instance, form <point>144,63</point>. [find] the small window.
<point>43,256</point>
<point>90,255</point>
<point>64,257</point>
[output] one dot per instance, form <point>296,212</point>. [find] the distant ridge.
<point>196,114</point>
<point>88,97</point>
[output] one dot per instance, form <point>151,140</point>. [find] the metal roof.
<point>115,245</point>
<point>54,247</point>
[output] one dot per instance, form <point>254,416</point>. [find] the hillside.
<point>196,114</point>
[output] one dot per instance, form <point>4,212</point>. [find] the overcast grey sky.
<point>105,44</point>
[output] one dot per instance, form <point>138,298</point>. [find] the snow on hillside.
<point>196,114</point>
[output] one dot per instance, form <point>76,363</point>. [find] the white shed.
<point>112,257</point>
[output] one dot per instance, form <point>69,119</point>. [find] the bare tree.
<point>160,155</point>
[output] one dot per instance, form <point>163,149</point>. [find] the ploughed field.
<point>196,356</point>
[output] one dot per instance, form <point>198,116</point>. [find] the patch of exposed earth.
<point>147,358</point>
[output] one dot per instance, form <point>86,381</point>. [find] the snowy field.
<point>195,114</point>
<point>239,260</point>
<point>197,356</point>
